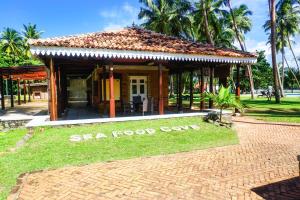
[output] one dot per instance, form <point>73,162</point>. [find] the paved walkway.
<point>264,165</point>
<point>25,111</point>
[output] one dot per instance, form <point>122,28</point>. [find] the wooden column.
<point>11,92</point>
<point>104,91</point>
<point>177,89</point>
<point>211,84</point>
<point>24,90</point>
<point>202,102</point>
<point>53,108</point>
<point>58,91</point>
<point>237,87</point>
<point>160,95</point>
<point>2,93</point>
<point>112,106</point>
<point>180,92</point>
<point>191,90</point>
<point>19,93</point>
<point>29,92</point>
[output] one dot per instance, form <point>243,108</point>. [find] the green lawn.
<point>10,138</point>
<point>260,108</point>
<point>51,147</point>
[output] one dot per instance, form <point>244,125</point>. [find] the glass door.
<point>138,87</point>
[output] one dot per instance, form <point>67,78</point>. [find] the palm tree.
<point>287,23</point>
<point>239,21</point>
<point>272,11</point>
<point>169,17</point>
<point>223,100</point>
<point>11,43</point>
<point>30,32</point>
<point>208,24</point>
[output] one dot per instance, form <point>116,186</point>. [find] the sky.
<point>69,17</point>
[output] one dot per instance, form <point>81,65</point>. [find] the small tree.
<point>224,99</point>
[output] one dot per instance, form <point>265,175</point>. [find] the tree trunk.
<point>206,25</point>
<point>243,48</point>
<point>282,72</point>
<point>292,50</point>
<point>292,72</point>
<point>273,48</point>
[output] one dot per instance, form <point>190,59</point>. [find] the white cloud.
<point>119,17</point>
<point>254,45</point>
<point>108,14</point>
<point>113,27</point>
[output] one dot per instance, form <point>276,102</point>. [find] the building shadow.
<point>287,189</point>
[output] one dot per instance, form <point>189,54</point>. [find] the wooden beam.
<point>160,89</point>
<point>202,102</point>
<point>2,93</point>
<point>53,108</point>
<point>11,92</point>
<point>112,106</point>
<point>191,89</point>
<point>19,93</point>
<point>211,84</point>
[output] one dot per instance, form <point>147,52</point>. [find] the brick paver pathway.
<point>264,165</point>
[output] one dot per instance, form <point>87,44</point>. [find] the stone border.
<point>44,120</point>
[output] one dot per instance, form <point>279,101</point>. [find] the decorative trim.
<point>128,54</point>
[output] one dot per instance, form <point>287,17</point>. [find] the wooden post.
<point>29,92</point>
<point>104,91</point>
<point>202,102</point>
<point>160,85</point>
<point>237,87</point>
<point>112,106</point>
<point>2,93</point>
<point>211,85</point>
<point>191,90</point>
<point>11,92</point>
<point>177,89</point>
<point>19,93</point>
<point>53,108</point>
<point>58,91</point>
<point>180,92</point>
<point>24,90</point>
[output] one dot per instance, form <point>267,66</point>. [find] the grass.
<point>51,148</point>
<point>10,138</point>
<point>260,108</point>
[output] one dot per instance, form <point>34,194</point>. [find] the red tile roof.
<point>137,39</point>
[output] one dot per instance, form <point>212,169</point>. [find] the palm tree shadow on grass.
<point>287,189</point>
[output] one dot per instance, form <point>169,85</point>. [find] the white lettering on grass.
<point>100,136</point>
<point>75,138</point>
<point>115,134</point>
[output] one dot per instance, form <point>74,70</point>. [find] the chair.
<point>136,102</point>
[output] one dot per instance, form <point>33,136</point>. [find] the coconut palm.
<point>273,48</point>
<point>30,32</point>
<point>238,19</point>
<point>11,43</point>
<point>165,16</point>
<point>208,24</point>
<point>287,22</point>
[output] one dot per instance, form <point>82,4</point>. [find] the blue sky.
<point>65,17</point>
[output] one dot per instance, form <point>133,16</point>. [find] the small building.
<point>39,91</point>
<point>109,70</point>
